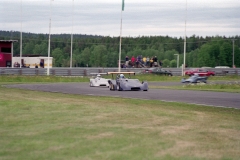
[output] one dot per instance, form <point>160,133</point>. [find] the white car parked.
<point>98,81</point>
<point>222,67</point>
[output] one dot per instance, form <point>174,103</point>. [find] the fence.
<point>85,71</point>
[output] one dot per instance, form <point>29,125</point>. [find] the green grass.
<point>39,79</point>
<point>226,78</point>
<point>226,87</point>
<point>155,78</point>
<point>232,86</point>
<point>211,86</point>
<point>42,125</point>
<point>141,77</point>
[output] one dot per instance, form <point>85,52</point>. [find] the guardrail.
<point>85,71</point>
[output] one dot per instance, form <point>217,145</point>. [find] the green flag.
<point>122,5</point>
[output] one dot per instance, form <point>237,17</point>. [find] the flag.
<point>122,5</point>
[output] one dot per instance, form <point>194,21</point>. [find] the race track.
<point>218,99</point>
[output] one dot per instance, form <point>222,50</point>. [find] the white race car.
<point>98,81</point>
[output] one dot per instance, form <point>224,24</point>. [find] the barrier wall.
<point>85,71</point>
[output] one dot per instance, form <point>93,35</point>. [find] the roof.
<point>9,41</point>
<point>31,55</point>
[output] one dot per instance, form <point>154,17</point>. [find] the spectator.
<point>41,64</point>
<point>15,64</point>
<point>138,60</point>
<point>155,61</point>
<point>126,61</point>
<point>133,61</point>
<point>23,65</point>
<point>151,62</point>
<point>147,61</point>
<point>130,64</point>
<point>123,65</point>
<point>137,63</point>
<point>160,63</point>
<point>144,60</point>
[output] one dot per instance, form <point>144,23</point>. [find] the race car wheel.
<point>111,87</point>
<point>119,88</point>
<point>90,84</point>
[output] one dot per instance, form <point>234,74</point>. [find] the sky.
<point>139,18</point>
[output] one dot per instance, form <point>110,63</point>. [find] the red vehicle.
<point>200,72</point>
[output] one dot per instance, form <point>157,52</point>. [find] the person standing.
<point>155,61</point>
<point>133,60</point>
<point>41,64</point>
<point>160,63</point>
<point>151,62</point>
<point>147,61</point>
<point>126,61</point>
<point>144,61</point>
<point>137,61</point>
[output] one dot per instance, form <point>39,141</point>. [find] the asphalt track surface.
<point>217,99</point>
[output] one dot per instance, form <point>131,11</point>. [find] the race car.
<point>195,79</point>
<point>98,81</point>
<point>200,72</point>
<point>121,83</point>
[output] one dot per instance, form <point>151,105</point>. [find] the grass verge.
<point>39,79</point>
<point>141,77</point>
<point>233,87</point>
<point>42,125</point>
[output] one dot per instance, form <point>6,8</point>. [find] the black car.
<point>158,70</point>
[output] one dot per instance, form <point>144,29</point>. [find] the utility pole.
<point>185,41</point>
<point>233,64</point>
<point>120,43</point>
<point>49,38</point>
<point>72,35</point>
<point>21,39</point>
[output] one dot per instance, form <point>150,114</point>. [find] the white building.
<point>32,62</point>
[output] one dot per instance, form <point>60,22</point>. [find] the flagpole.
<point>72,35</point>
<point>119,60</point>
<point>21,39</point>
<point>119,63</point>
<point>49,37</point>
<point>185,41</point>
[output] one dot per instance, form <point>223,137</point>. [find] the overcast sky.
<point>139,18</point>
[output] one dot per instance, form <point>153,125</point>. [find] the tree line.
<point>103,51</point>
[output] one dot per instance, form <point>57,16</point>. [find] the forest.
<point>103,51</point>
